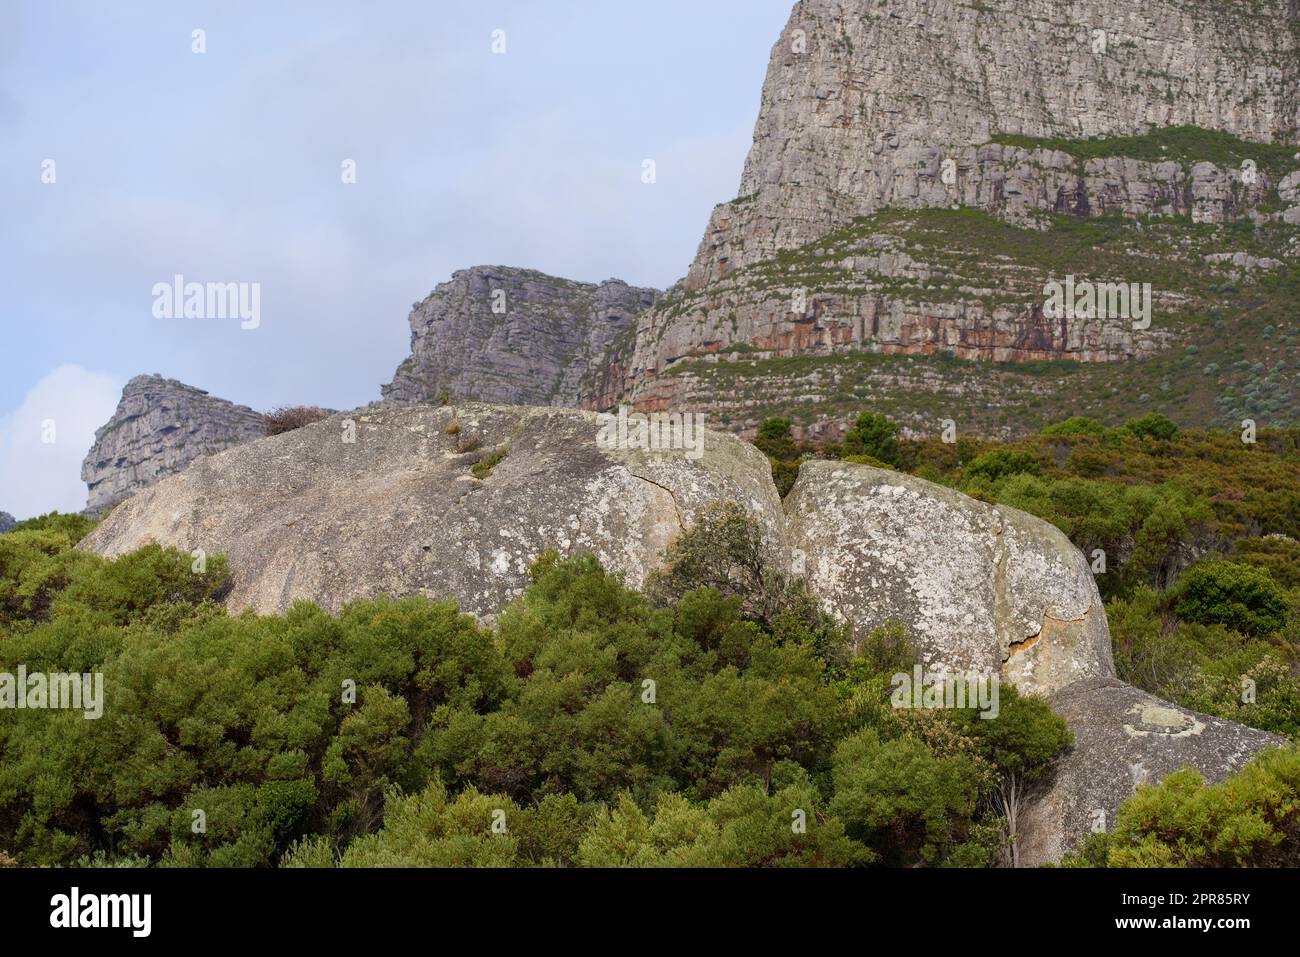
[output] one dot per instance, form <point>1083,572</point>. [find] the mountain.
<point>496,334</point>
<point>922,175</point>
<point>159,427</point>
<point>922,171</point>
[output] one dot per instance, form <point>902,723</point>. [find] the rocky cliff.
<point>494,334</point>
<point>458,502</point>
<point>922,169</point>
<point>6,522</point>
<point>159,428</point>
<point>865,103</point>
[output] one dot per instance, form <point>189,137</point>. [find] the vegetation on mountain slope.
<point>1222,347</point>
<point>1194,538</point>
<point>720,720</point>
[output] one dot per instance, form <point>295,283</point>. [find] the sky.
<point>127,158</point>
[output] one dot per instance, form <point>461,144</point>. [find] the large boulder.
<point>1124,737</point>
<point>309,515</point>
<point>992,590</point>
<point>980,587</point>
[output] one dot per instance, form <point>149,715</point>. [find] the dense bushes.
<point>1250,820</point>
<point>287,419</point>
<point>1241,597</point>
<point>246,720</point>
<point>589,726</point>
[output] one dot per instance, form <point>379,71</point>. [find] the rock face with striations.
<point>864,102</point>
<point>888,129</point>
<point>514,336</point>
<point>403,511</point>
<point>159,428</point>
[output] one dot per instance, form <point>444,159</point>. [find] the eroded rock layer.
<point>1032,113</point>
<point>864,101</point>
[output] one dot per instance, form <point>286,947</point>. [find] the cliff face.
<point>7,522</point>
<point>1167,124</point>
<point>863,102</point>
<point>514,336</point>
<point>160,426</point>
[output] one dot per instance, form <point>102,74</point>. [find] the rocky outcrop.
<point>864,103</point>
<point>1021,111</point>
<point>7,522</point>
<point>992,590</point>
<point>514,336</point>
<point>459,501</point>
<point>1124,737</point>
<point>159,428</point>
<point>979,587</point>
<point>401,511</point>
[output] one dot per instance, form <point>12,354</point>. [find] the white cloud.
<point>37,475</point>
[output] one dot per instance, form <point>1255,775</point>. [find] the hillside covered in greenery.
<point>694,724</point>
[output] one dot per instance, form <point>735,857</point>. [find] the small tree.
<point>1023,743</point>
<point>1242,597</point>
<point>873,434</point>
<point>725,552</point>
<point>1153,425</point>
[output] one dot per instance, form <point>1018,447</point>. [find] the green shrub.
<point>1278,555</point>
<point>784,475</point>
<point>775,440</point>
<point>483,468</point>
<point>1248,820</point>
<point>905,803</point>
<point>875,435</point>
<point>1153,425</point>
<point>1242,597</point>
<point>74,527</point>
<point>1079,425</point>
<point>1001,463</point>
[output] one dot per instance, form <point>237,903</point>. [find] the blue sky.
<point>225,166</point>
